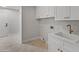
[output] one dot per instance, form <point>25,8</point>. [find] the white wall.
<point>30,26</point>
<point>13,7</point>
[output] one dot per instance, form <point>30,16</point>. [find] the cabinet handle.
<point>58,49</point>
<point>61,50</point>
<point>66,17</point>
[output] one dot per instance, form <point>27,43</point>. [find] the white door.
<point>3,23</point>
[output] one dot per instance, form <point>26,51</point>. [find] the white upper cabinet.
<point>74,12</point>
<point>58,12</point>
<point>44,11</point>
<point>62,13</point>
<point>51,11</point>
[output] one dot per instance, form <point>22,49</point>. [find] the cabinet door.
<point>42,11</point>
<point>68,47</point>
<point>51,11</point>
<point>45,11</point>
<point>54,44</point>
<point>74,12</point>
<point>62,12</point>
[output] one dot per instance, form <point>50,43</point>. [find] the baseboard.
<point>34,38</point>
<point>3,36</point>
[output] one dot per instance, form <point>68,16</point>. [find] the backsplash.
<point>62,26</point>
<point>59,26</point>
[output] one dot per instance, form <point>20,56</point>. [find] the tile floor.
<point>9,44</point>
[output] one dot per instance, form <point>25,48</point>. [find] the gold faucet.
<point>70,28</point>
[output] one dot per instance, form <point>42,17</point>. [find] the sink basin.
<point>69,37</point>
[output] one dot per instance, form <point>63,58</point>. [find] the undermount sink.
<point>69,37</point>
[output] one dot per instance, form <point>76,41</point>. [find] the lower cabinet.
<point>58,45</point>
<point>69,47</point>
<point>55,45</point>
